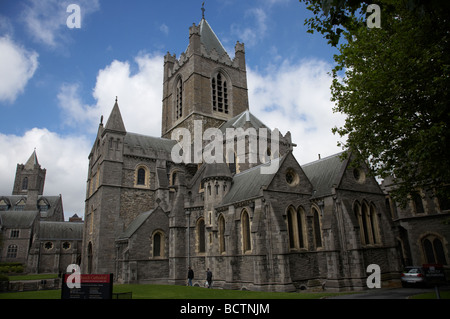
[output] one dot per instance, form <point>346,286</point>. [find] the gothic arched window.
<point>368,223</point>
<point>12,251</point>
<point>317,230</point>
<point>142,176</point>
<point>25,183</point>
<point>219,93</point>
<point>158,244</point>
<point>232,162</point>
<point>296,228</point>
<point>434,250</point>
<point>201,235</point>
<point>222,247</point>
<point>418,204</point>
<point>179,99</point>
<point>246,239</point>
<point>374,225</point>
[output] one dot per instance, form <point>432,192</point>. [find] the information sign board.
<point>94,286</point>
<point>434,274</point>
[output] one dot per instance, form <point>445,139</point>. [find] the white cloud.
<point>295,97</point>
<point>64,157</point>
<point>139,96</point>
<point>46,19</point>
<point>252,32</point>
<point>17,67</point>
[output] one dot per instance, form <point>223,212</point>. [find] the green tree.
<point>393,85</point>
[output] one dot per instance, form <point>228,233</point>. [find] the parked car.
<point>413,275</point>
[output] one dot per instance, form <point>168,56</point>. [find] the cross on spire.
<point>203,10</point>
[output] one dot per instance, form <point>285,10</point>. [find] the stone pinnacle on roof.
<point>115,122</point>
<point>32,161</point>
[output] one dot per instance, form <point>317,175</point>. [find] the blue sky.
<point>56,82</point>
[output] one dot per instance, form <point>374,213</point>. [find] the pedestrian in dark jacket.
<point>190,276</point>
<point>209,278</point>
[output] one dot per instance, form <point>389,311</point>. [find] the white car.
<point>413,275</point>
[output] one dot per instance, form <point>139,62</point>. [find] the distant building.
<point>423,225</point>
<point>33,230</point>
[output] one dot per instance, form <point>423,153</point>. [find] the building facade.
<point>33,230</point>
<point>257,219</point>
<point>422,225</point>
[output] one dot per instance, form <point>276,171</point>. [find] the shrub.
<point>17,269</point>
<point>11,268</point>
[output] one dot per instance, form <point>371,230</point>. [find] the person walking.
<point>209,277</point>
<point>190,276</point>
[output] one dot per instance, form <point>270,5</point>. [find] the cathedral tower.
<point>103,195</point>
<point>30,179</point>
<point>204,83</point>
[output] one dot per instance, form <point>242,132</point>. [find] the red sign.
<point>101,279</point>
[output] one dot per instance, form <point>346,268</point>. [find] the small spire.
<point>203,10</point>
<point>116,98</point>
<point>32,161</point>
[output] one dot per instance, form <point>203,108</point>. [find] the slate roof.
<point>51,200</point>
<point>216,170</point>
<point>149,142</point>
<point>18,219</point>
<point>209,38</point>
<point>325,173</point>
<point>135,224</point>
<point>248,184</point>
<point>60,230</point>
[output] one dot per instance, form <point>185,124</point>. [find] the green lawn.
<point>33,277</point>
<point>175,292</point>
<point>432,295</point>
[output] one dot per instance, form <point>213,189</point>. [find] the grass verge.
<point>432,295</point>
<point>176,292</point>
<point>32,277</point>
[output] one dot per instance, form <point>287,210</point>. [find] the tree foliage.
<point>392,83</point>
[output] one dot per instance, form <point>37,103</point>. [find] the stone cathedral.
<point>148,217</point>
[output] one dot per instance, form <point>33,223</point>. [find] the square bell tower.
<point>204,83</point>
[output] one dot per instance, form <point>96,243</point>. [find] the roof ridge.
<point>279,159</point>
<point>150,136</point>
<point>323,159</point>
